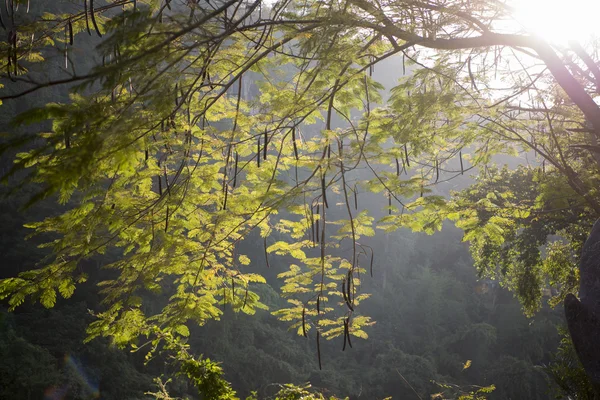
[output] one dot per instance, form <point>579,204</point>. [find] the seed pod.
<point>235,169</point>
<point>265,146</point>
<point>70,26</point>
<point>93,16</point>
<point>312,225</point>
<point>258,152</point>
<point>462,169</point>
<point>348,331</point>
<point>232,287</point>
<point>146,155</point>
<point>85,13</point>
<point>167,220</point>
<point>397,167</point>
<point>389,203</point>
<point>245,298</point>
<point>160,191</point>
<point>318,304</point>
<point>437,171</point>
<point>349,286</point>
<point>345,335</point>
<point>324,191</point>
<point>403,65</point>
<point>355,198</point>
<point>304,322</point>
<point>319,350</point>
<point>371,263</point>
<point>294,143</point>
<point>317,224</point>
<point>328,151</point>
<point>266,253</point>
<point>406,155</point>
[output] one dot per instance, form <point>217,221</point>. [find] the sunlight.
<point>559,21</point>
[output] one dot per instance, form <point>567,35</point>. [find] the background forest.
<point>291,200</point>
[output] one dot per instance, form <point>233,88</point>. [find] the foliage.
<point>205,122</point>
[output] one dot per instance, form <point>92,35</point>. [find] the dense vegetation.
<point>202,150</point>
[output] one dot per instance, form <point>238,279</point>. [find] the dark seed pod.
<point>406,155</point>
<point>294,143</point>
<point>304,322</point>
<point>265,146</point>
<point>258,152</point>
<point>85,13</point>
<point>324,191</point>
<point>317,224</point>
<point>437,171</point>
<point>245,299</point>
<point>232,287</point>
<point>319,350</point>
<point>318,304</point>
<point>403,65</point>
<point>397,167</point>
<point>160,191</point>
<point>235,169</point>
<point>348,332</point>
<point>389,203</point>
<point>146,155</point>
<point>328,151</point>
<point>70,26</point>
<point>349,287</point>
<point>266,252</point>
<point>167,220</point>
<point>93,16</point>
<point>462,169</point>
<point>371,264</point>
<point>312,225</point>
<point>355,198</point>
<point>345,335</point>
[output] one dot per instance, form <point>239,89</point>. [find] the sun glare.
<point>559,21</point>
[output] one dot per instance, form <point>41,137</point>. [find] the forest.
<point>293,199</point>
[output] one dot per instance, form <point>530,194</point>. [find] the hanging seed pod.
<point>355,198</point>
<point>146,155</point>
<point>319,351</point>
<point>389,203</point>
<point>235,169</point>
<point>462,169</point>
<point>406,155</point>
<point>350,281</point>
<point>437,171</point>
<point>265,146</point>
<point>348,331</point>
<point>318,304</point>
<point>345,335</point>
<point>324,191</point>
<point>258,153</point>
<point>294,143</point>
<point>70,27</point>
<point>397,167</point>
<point>266,253</point>
<point>232,287</point>
<point>328,151</point>
<point>93,16</point>
<point>85,13</point>
<point>167,220</point>
<point>226,192</point>
<point>312,226</point>
<point>371,264</point>
<point>304,321</point>
<point>317,227</point>
<point>160,191</point>
<point>403,65</point>
<point>344,290</point>
<point>245,299</point>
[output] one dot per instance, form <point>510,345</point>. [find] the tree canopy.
<point>195,124</point>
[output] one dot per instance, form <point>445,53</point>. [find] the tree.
<point>163,154</point>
